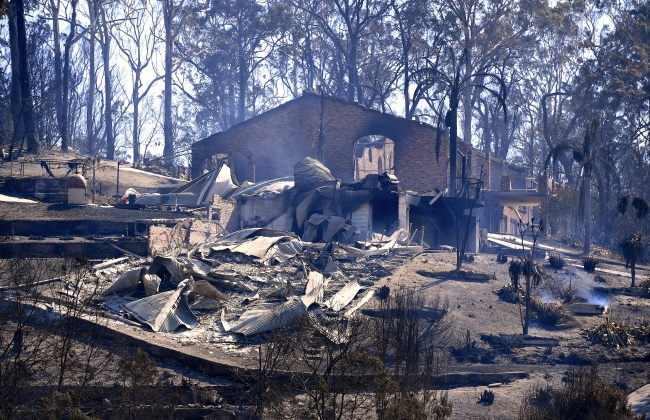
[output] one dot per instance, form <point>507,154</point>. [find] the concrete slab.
<point>639,400</point>
<point>11,199</point>
<point>606,271</point>
<point>510,240</point>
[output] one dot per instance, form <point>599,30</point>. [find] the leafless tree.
<point>138,41</point>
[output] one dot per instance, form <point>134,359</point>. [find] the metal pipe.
<point>117,188</point>
<point>94,180</point>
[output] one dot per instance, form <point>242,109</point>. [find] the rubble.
<point>260,278</point>
<point>271,275</point>
<point>165,311</point>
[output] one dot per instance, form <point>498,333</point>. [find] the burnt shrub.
<point>487,397</point>
<point>556,260</point>
<point>584,395</point>
<point>589,263</point>
<point>550,314</point>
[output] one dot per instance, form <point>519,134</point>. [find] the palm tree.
<point>633,245</point>
<point>632,248</point>
<point>585,155</point>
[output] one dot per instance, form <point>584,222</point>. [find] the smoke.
<point>546,297</point>
<point>585,285</point>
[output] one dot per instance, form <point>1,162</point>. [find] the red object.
<point>123,200</point>
<point>76,181</point>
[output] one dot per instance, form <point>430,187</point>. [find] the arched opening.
<point>373,154</point>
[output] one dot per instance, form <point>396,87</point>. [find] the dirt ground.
<point>56,211</point>
<point>105,173</point>
<point>476,310</point>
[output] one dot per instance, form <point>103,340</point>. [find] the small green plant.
<point>556,260</point>
<point>590,262</point>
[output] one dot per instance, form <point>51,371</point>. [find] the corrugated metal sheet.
<point>331,225</point>
<point>343,297</point>
<point>259,246</point>
<point>283,251</point>
<point>240,235</point>
<point>221,185</point>
<point>204,288</point>
<point>127,282</point>
<point>359,303</point>
<point>255,321</point>
<point>331,329</point>
<point>314,289</point>
<point>194,266</point>
<point>163,312</point>
<point>174,268</point>
<point>273,186</point>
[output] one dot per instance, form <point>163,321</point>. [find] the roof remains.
<point>165,311</point>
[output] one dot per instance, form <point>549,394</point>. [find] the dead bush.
<point>584,395</point>
<point>466,349</point>
<point>567,292</point>
<point>531,269</point>
<point>142,396</point>
<point>550,314</point>
<point>409,331</point>
<point>487,397</point>
<point>645,284</point>
<point>589,263</point>
<point>556,260</point>
<point>601,252</point>
<point>510,293</point>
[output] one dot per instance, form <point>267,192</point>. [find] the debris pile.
<point>611,334</point>
<point>267,253</point>
<point>510,293</point>
<point>255,280</point>
<point>641,332</point>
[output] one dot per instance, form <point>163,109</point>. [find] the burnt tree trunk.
<point>27,102</point>
<point>92,82</point>
<point>168,151</point>
<point>108,88</point>
<point>63,122</point>
<point>16,103</point>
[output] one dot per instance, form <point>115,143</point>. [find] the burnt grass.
<point>490,308</point>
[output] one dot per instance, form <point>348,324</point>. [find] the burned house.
<point>355,143</point>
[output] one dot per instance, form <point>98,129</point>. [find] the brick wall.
<point>374,160</point>
<point>268,145</point>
